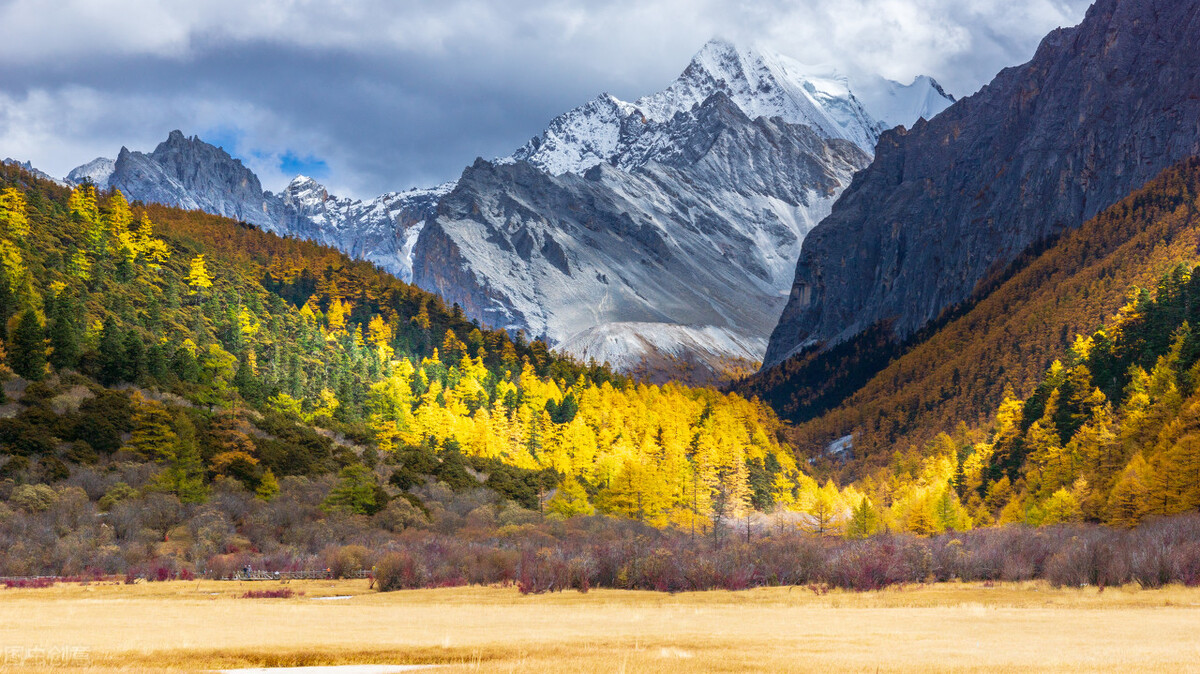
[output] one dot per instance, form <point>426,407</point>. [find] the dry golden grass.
<point>204,624</point>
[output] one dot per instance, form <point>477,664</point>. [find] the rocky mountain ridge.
<point>1100,109</point>
<point>28,166</point>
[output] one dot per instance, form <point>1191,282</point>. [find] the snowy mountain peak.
<point>303,183</point>
<point>579,139</point>
<point>765,84</point>
<point>98,170</point>
<point>896,104</point>
<point>760,83</point>
<point>304,193</point>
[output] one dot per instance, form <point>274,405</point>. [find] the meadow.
<point>203,625</point>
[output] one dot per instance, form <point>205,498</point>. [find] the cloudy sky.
<point>378,95</point>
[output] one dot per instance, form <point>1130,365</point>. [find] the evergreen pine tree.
<point>111,353</point>
<point>355,491</point>
<point>184,475</point>
<point>64,331</point>
<point>152,435</point>
<point>27,347</point>
<point>134,363</point>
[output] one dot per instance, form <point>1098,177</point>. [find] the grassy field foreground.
<point>202,625</point>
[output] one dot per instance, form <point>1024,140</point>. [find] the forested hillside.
<point>1009,336</point>
<point>181,391</point>
<point>1108,435</point>
<point>152,353</point>
<point>1065,393</point>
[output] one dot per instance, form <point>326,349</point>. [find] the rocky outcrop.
<point>693,247</point>
<point>191,174</point>
<point>383,230</point>
<point>1101,109</point>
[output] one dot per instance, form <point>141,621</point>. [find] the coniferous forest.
<point>185,394</point>
<point>162,361</point>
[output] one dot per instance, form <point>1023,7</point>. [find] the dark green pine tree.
<point>134,366</point>
<point>28,346</point>
<point>185,365</point>
<point>246,382</point>
<point>184,475</point>
<point>157,365</point>
<point>64,332</point>
<point>7,303</point>
<point>112,353</point>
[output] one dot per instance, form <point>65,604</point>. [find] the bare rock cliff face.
<point>189,173</point>
<point>685,256</point>
<point>1101,109</point>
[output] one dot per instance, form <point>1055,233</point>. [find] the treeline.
<point>206,352</point>
<point>475,537</point>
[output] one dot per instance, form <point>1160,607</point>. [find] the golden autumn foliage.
<point>1008,338</point>
<point>242,324</point>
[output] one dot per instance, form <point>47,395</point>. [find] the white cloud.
<point>392,94</point>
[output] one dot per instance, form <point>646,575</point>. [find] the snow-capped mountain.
<point>382,230</point>
<point>710,184</point>
<point>894,104</point>
<point>679,264</point>
<point>659,235</point>
<point>98,170</point>
<point>759,83</point>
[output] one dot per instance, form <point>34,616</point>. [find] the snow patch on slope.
<point>896,104</point>
<point>626,346</point>
<point>98,170</point>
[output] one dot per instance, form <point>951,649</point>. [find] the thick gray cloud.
<point>378,95</point>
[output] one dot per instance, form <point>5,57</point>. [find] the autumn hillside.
<point>1008,338</point>
<point>173,376</point>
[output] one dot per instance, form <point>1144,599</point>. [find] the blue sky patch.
<point>292,164</point>
<point>225,137</point>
